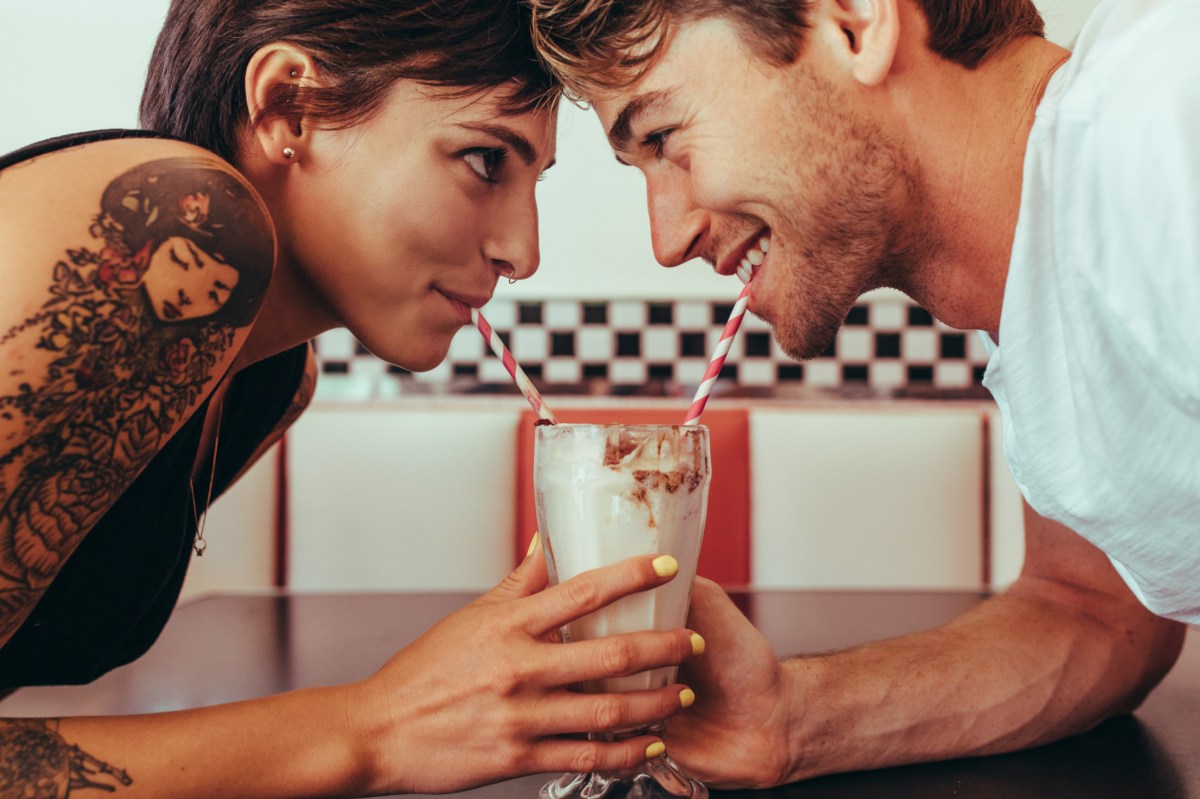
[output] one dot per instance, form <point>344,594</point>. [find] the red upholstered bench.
<point>725,554</point>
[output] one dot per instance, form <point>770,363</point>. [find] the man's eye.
<point>657,141</point>
<point>485,161</point>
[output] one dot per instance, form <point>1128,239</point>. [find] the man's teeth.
<point>753,259</point>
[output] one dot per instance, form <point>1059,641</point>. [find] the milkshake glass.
<point>605,493</point>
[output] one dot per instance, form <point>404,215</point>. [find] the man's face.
<point>739,153</point>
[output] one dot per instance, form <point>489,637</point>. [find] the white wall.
<point>68,65</point>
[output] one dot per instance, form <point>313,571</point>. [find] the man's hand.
<point>1065,647</point>
<point>736,734</point>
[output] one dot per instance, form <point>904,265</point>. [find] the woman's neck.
<point>291,314</point>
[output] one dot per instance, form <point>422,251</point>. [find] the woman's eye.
<point>657,141</point>
<point>485,161</point>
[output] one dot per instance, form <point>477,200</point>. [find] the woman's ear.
<point>872,32</point>
<point>274,73</point>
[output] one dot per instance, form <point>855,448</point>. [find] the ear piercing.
<point>289,153</point>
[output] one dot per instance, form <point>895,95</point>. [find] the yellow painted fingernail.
<point>655,749</point>
<point>665,566</point>
<point>697,644</point>
<point>533,544</point>
<point>686,697</point>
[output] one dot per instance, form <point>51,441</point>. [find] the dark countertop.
<point>274,643</point>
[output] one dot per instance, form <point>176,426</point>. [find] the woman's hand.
<point>483,695</point>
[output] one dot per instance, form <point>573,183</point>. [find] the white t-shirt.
<point>1097,373</point>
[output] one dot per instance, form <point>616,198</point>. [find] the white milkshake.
<point>608,492</point>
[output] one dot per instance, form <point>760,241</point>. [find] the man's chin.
<point>801,347</point>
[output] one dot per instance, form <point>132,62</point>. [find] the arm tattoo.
<point>132,327</point>
<point>36,763</point>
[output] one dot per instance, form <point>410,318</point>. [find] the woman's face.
<point>396,227</point>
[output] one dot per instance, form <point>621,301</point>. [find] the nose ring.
<point>512,275</point>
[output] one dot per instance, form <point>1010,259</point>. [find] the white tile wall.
<point>881,499</point>
<point>403,496</point>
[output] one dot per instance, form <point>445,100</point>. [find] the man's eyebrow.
<point>519,143</point>
<point>621,130</point>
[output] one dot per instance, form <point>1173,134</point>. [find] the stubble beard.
<point>848,242</point>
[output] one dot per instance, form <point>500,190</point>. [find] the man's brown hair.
<point>596,45</point>
<point>195,84</point>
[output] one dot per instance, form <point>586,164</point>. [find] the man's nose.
<point>676,223</point>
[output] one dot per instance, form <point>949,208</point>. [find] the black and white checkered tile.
<point>888,345</point>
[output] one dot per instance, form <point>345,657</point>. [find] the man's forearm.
<point>1035,664</point>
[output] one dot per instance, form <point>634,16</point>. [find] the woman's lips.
<point>462,304</point>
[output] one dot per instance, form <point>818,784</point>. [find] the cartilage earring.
<point>289,153</point>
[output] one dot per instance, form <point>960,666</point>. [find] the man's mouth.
<point>753,259</point>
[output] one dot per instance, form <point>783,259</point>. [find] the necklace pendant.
<point>199,545</point>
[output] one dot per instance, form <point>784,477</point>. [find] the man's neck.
<point>969,136</point>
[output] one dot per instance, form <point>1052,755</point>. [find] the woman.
<point>316,163</point>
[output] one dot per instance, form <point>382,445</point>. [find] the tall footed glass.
<point>605,493</point>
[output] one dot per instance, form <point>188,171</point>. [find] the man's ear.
<point>275,72</point>
<point>872,31</point>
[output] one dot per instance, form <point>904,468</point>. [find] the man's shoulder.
<point>1136,56</point>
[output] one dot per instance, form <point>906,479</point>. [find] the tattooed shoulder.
<point>125,337</point>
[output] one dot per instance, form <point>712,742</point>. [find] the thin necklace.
<point>199,545</point>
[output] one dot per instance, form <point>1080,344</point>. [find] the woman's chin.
<point>417,359</point>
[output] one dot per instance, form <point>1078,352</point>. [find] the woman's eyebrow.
<point>527,152</point>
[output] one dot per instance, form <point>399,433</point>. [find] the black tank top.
<point>112,597</point>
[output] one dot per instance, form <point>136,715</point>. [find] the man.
<point>1051,199</point>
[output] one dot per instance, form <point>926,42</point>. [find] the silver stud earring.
<point>289,153</point>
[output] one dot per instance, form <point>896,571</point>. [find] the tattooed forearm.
<point>127,342</point>
<point>36,763</point>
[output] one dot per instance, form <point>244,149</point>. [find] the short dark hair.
<point>195,86</point>
<point>597,45</point>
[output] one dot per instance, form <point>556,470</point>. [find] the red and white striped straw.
<point>510,363</point>
<point>718,358</point>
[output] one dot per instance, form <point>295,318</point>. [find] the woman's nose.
<point>514,249</point>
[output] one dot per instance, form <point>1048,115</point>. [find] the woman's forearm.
<point>481,696</point>
<point>296,744</point>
